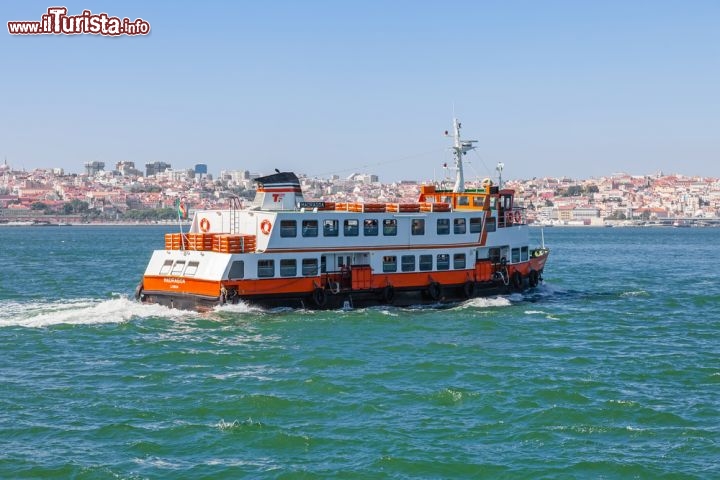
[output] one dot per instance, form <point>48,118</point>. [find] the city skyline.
<point>549,89</point>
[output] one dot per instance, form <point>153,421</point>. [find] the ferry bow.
<point>283,251</point>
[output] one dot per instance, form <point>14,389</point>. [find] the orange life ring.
<point>204,224</point>
<point>265,227</point>
<point>508,218</point>
<point>518,216</point>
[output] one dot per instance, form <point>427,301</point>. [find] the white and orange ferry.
<point>283,251</point>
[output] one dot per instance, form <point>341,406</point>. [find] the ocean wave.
<point>80,312</point>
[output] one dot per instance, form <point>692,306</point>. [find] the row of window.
<point>309,266</point>
<point>425,262</point>
<point>371,227</point>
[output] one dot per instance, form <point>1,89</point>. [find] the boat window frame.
<point>309,267</point>
<point>425,262</point>
<point>459,226</point>
<point>371,227</point>
<point>389,263</point>
<point>445,230</point>
<point>515,255</point>
<point>178,268</point>
<point>524,254</point>
<point>406,265</point>
<point>308,229</point>
<point>166,267</point>
<point>417,226</point>
<point>334,231</point>
<point>269,267</point>
<point>288,228</point>
<point>442,261</point>
<point>235,270</point>
<point>459,261</point>
<point>191,268</point>
<point>475,224</point>
<point>491,224</point>
<point>390,227</point>
<point>286,265</point>
<point>349,230</point>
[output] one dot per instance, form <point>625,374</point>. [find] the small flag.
<point>182,209</point>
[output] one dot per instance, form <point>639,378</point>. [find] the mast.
<point>460,148</point>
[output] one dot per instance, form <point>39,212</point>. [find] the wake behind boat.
<point>282,251</point>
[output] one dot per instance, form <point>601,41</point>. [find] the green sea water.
<point>610,369</point>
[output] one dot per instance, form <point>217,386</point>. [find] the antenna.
<point>460,148</point>
<point>499,169</point>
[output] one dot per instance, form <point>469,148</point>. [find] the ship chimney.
<point>279,191</point>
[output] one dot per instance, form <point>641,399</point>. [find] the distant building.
<point>154,168</point>
<point>93,168</point>
<point>127,169</point>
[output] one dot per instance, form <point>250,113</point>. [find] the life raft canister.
<point>265,227</point>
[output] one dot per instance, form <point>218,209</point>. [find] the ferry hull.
<point>443,297</point>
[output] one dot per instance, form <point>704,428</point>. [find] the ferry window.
<point>443,226</point>
<point>330,228</point>
<point>370,227</point>
<point>490,225</point>
<point>389,263</point>
<point>309,228</point>
<point>425,262</point>
<point>351,228</point>
<point>237,269</point>
<point>524,254</point>
<point>459,261</point>
<point>478,201</point>
<point>288,228</point>
<point>323,264</point>
<point>390,227</point>
<point>407,263</point>
<point>288,267</point>
<point>165,269</point>
<point>309,267</point>
<point>178,267</point>
<point>459,225</point>
<point>418,226</point>
<point>191,269</point>
<point>515,255</point>
<point>495,255</point>
<point>266,268</point>
<point>443,261</point>
<point>463,200</point>
<point>476,225</point>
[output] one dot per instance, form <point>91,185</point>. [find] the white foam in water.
<point>487,302</point>
<point>81,312</point>
<point>239,307</point>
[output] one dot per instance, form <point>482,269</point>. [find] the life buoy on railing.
<point>508,218</point>
<point>204,224</point>
<point>265,227</point>
<point>518,216</point>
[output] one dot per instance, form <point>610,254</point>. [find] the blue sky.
<point>550,88</point>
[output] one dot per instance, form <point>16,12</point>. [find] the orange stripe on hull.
<point>191,286</point>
